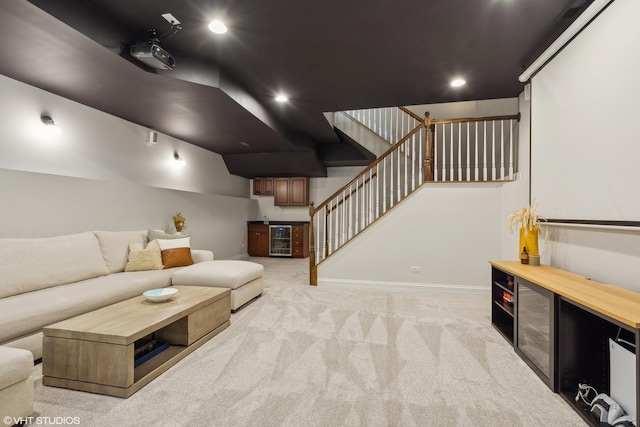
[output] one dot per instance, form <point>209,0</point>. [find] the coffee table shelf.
<point>94,352</point>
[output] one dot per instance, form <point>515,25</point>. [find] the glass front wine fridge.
<point>280,240</point>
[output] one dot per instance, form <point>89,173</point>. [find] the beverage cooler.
<point>280,240</point>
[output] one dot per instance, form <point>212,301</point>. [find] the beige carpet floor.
<point>328,356</point>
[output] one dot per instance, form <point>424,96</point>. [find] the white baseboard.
<point>399,285</point>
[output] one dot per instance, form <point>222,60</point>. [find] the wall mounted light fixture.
<point>49,125</point>
<point>178,159</point>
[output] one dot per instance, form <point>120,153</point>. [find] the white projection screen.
<point>585,117</point>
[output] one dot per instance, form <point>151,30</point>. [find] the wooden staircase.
<point>459,150</point>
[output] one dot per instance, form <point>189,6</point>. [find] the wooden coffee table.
<point>94,352</point>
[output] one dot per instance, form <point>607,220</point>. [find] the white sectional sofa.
<point>45,280</point>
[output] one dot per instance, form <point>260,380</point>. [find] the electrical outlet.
<point>415,269</point>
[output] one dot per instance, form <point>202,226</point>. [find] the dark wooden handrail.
<point>366,170</point>
<point>411,113</point>
<point>348,196</point>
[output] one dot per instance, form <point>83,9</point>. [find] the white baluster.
<point>391,174</point>
<point>502,148</point>
<point>451,157</point>
<point>387,131</point>
<point>421,158</point>
<point>435,153</point>
<point>493,152</point>
<point>398,173</point>
<point>484,162</point>
<point>377,190</point>
<point>459,151</point>
<point>384,187</point>
<point>343,215</point>
<point>354,195</point>
<point>476,158</point>
<point>413,163</point>
<point>350,216</point>
<point>325,237</point>
<point>370,204</point>
<point>394,125</point>
<point>333,236</point>
<point>468,155</point>
<point>511,154</point>
<point>363,206</point>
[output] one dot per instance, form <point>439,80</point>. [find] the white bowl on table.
<point>160,294</point>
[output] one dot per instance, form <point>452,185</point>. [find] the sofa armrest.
<point>201,255</point>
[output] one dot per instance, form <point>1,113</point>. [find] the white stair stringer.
<point>360,133</point>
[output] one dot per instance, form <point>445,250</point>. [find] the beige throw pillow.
<point>141,259</point>
<point>175,252</point>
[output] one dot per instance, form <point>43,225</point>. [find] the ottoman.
<point>16,384</point>
<point>244,278</point>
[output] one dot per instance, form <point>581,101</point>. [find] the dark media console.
<point>564,326</point>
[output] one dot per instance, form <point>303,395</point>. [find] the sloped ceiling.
<point>326,55</point>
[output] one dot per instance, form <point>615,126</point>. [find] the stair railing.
<point>476,149</point>
<point>368,196</point>
<point>389,123</point>
<point>471,150</point>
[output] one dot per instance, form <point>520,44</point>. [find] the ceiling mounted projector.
<point>153,55</point>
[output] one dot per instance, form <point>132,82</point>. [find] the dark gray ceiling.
<point>327,55</point>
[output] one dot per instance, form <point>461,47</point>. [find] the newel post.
<point>428,156</point>
<point>313,269</point>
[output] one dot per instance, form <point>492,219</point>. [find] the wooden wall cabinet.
<point>258,240</point>
<point>263,186</point>
<point>291,191</point>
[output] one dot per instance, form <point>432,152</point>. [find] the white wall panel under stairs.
<point>447,230</point>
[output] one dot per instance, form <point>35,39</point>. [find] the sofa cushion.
<point>115,246</point>
<point>223,273</point>
<point>16,365</point>
<point>30,312</point>
<point>31,264</point>
<point>141,259</point>
<point>175,252</point>
<point>159,234</point>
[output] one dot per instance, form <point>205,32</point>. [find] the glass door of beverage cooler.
<point>280,240</point>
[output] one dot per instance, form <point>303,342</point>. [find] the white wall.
<point>448,230</point>
<point>96,145</point>
<point>468,109</point>
<point>41,205</point>
<point>319,190</point>
<point>515,194</point>
<point>100,173</point>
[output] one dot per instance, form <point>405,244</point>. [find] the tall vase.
<point>530,241</point>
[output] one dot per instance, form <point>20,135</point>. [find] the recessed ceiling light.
<point>217,26</point>
<point>458,82</point>
<point>282,98</point>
